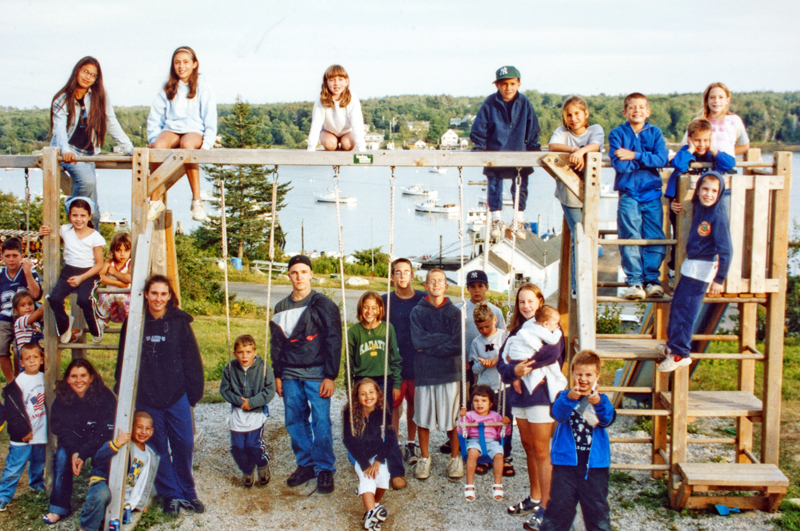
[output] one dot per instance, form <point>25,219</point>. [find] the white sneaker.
<point>156,208</point>
<point>423,468</point>
<point>497,228</point>
<point>67,336</point>
<point>455,469</point>
<point>654,290</point>
<point>673,362</point>
<point>663,350</point>
<point>101,325</point>
<point>634,293</point>
<point>198,212</point>
<point>373,518</point>
<point>518,228</point>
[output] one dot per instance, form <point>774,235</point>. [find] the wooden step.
<point>637,348</point>
<point>87,346</point>
<point>719,404</point>
<point>703,477</point>
<point>667,298</point>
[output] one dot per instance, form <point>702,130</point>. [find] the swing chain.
<point>463,283</point>
<point>27,213</point>
<point>271,259</point>
<point>220,182</point>
<point>514,227</point>
<point>344,293</point>
<point>392,181</point>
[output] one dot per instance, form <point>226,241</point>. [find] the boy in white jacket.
<point>543,328</point>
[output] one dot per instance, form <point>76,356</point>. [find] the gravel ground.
<point>435,504</point>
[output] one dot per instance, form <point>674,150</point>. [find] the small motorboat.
<point>418,190</point>
<point>437,169</point>
<point>434,206</point>
<point>507,200</point>
<point>476,219</point>
<point>330,197</point>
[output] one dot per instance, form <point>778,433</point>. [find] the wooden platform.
<point>767,479</point>
<point>719,404</point>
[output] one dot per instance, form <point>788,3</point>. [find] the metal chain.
<point>386,348</point>
<point>344,293</point>
<point>517,184</point>
<point>463,284</point>
<point>269,269</point>
<point>27,213</point>
<point>221,184</point>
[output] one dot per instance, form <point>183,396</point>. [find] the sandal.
<point>497,491</point>
<point>524,507</point>
<point>469,492</point>
<point>47,521</point>
<point>481,469</point>
<point>508,469</point>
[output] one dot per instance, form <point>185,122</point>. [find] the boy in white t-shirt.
<point>143,466</point>
<point>24,412</point>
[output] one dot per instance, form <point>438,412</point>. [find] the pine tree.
<point>248,189</point>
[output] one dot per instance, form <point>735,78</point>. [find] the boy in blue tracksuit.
<point>698,149</point>
<point>506,122</point>
<point>637,151</point>
<point>708,258</point>
<point>581,452</point>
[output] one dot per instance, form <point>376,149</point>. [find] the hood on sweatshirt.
<point>696,198</point>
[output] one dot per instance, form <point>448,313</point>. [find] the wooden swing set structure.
<point>759,229</point>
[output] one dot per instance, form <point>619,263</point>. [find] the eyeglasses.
<point>437,282</point>
<point>88,74</point>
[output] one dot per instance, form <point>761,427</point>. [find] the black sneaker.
<point>410,453</point>
<point>247,480</point>
<point>524,507</point>
<point>445,448</point>
<point>264,474</point>
<point>301,475</point>
<point>325,482</point>
<point>172,507</point>
<point>195,505</point>
<point>534,523</point>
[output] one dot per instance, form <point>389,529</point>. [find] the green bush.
<point>608,321</point>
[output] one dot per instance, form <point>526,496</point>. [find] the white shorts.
<point>436,406</point>
<point>493,447</point>
<point>366,484</point>
<point>533,414</point>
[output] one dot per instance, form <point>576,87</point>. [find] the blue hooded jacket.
<point>721,163</point>
<point>495,129</point>
<point>711,235</point>
<point>563,448</point>
<point>639,177</point>
<point>436,334</point>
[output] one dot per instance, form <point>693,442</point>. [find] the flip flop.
<point>508,470</point>
<point>481,469</point>
<point>48,522</point>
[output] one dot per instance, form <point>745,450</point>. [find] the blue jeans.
<point>86,302</point>
<point>173,441</point>
<point>84,182</point>
<point>572,216</point>
<point>248,450</point>
<point>94,508</point>
<point>17,458</point>
<point>62,483</point>
<point>686,303</point>
<point>312,441</point>
<point>637,220</point>
<point>494,192</point>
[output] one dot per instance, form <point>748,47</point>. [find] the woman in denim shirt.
<point>79,128</point>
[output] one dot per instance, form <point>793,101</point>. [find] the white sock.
<point>496,215</point>
<point>520,216</point>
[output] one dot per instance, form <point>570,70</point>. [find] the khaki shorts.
<point>436,406</point>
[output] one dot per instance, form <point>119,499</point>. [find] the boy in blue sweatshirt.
<point>708,257</point>
<point>506,122</point>
<point>698,149</point>
<point>580,454</point>
<point>637,151</point>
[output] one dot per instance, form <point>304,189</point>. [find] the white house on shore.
<point>373,140</point>
<point>449,139</point>
<point>535,260</point>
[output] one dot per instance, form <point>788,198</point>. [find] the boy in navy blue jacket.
<point>708,257</point>
<point>637,151</point>
<point>581,452</point>
<point>506,122</point>
<point>698,149</point>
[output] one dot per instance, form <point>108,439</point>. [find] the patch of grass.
<point>644,423</point>
<point>620,478</point>
<point>789,520</point>
<point>653,498</point>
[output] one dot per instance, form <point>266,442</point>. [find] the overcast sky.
<point>271,51</point>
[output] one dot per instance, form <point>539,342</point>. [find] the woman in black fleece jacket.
<point>170,384</point>
<point>82,417</point>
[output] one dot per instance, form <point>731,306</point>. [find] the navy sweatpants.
<point>569,486</point>
<point>248,450</point>
<point>686,303</point>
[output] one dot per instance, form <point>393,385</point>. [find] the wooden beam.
<point>591,219</point>
<point>684,223</point>
<point>558,167</point>
<point>51,206</point>
<point>748,323</point>
<point>172,256</point>
<point>129,378</point>
<point>680,402</point>
<point>140,198</point>
<point>585,289</point>
<point>760,231</point>
<point>167,173</point>
<point>776,312</point>
<point>158,255</point>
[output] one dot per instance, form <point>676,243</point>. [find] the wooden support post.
<point>558,166</point>
<point>776,312</point>
<point>172,256</point>
<point>158,262</point>
<point>586,289</point>
<point>130,373</point>
<point>564,282</point>
<point>684,223</point>
<point>660,384</point>
<point>51,206</point>
<point>167,174</point>
<point>748,322</point>
<point>680,401</point>
<point>140,199</point>
<point>591,217</point>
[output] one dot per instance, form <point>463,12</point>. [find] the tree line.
<point>770,117</point>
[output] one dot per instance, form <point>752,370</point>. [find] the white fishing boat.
<point>476,219</point>
<point>437,169</point>
<point>434,206</point>
<point>507,200</point>
<point>418,190</point>
<point>330,197</point>
<point>119,224</point>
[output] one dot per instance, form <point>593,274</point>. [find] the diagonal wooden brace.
<point>558,166</point>
<point>168,173</point>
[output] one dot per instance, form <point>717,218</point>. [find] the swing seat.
<point>484,458</point>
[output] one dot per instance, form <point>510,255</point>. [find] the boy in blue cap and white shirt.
<point>506,122</point>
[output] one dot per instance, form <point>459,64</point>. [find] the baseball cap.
<point>477,276</point>
<point>299,259</point>
<point>507,72</point>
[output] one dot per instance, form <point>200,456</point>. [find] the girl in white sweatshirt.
<point>337,117</point>
<point>183,115</point>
